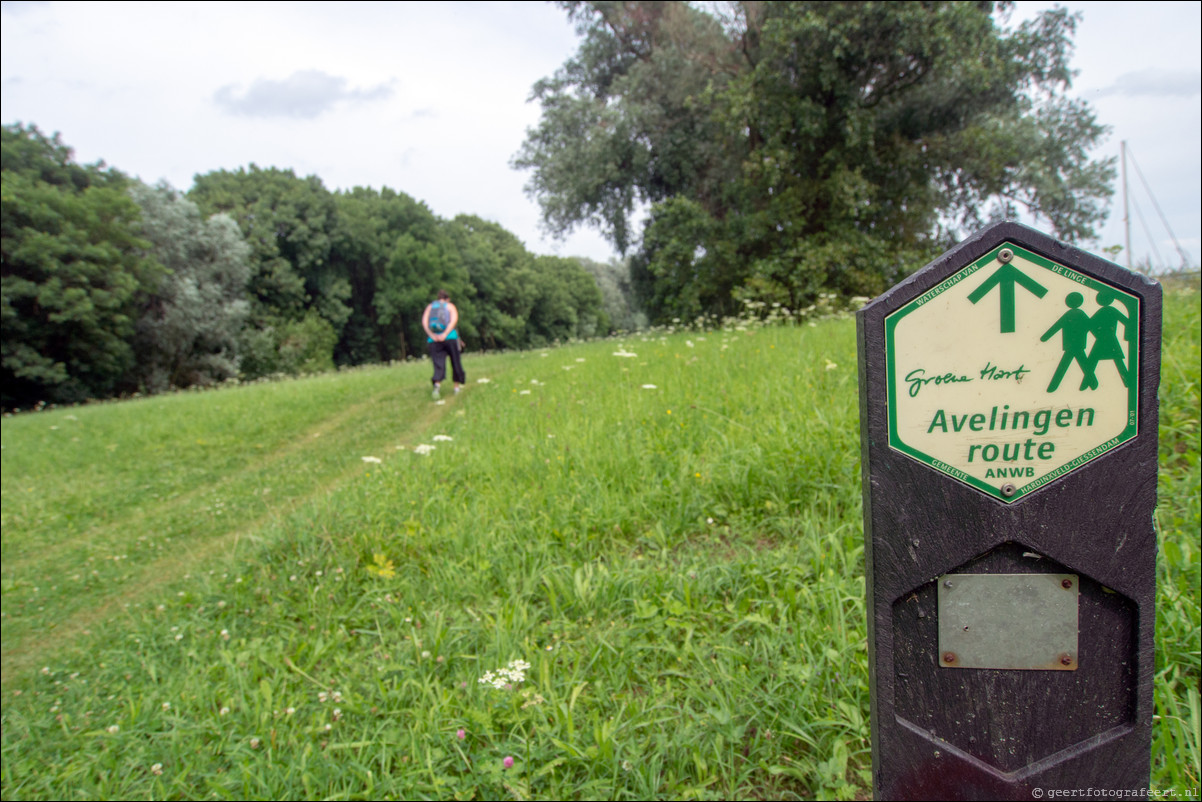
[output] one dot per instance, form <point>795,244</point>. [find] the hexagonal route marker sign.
<point>1008,418</point>
<point>1013,371</point>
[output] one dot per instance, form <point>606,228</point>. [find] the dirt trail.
<point>72,632</point>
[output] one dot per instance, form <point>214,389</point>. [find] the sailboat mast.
<point>1126,210</point>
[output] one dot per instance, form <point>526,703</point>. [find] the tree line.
<point>111,286</point>
<point>776,152</point>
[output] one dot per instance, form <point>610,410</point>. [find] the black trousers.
<point>438,355</point>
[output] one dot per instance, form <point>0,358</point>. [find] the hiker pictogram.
<point>1104,327</point>
<point>1075,327</point>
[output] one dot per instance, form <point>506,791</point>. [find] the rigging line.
<point>1151,240</point>
<point>1185,262</point>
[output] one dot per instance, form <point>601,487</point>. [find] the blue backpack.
<point>440,317</point>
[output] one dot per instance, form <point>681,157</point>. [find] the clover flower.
<point>156,769</point>
<point>507,762</point>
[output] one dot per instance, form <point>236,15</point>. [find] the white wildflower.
<point>156,769</point>
<point>424,449</point>
<point>483,381</point>
<point>624,353</point>
<point>371,459</point>
<point>443,438</point>
<point>502,678</point>
<point>648,386</point>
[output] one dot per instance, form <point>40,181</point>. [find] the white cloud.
<point>304,94</point>
<point>1156,83</point>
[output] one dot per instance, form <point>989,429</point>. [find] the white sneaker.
<point>436,394</point>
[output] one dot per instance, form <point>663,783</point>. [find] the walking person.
<point>441,322</point>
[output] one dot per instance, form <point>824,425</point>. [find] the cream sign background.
<point>1013,371</point>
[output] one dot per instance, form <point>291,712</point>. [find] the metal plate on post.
<point>1009,621</point>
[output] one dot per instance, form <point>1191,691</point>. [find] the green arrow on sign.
<point>1004,279</point>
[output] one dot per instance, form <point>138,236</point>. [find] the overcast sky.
<point>431,98</point>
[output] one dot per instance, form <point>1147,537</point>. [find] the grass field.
<point>625,569</point>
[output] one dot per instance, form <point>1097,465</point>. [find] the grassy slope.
<point>680,565</point>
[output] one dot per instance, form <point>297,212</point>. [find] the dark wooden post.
<point>1008,408</point>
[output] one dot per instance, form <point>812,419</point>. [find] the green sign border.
<point>891,321</point>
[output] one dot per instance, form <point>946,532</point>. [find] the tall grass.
<point>214,595</point>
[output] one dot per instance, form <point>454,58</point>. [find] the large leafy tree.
<point>75,273</point>
<point>188,333</point>
<point>298,296</point>
<point>384,323</point>
<point>503,281</point>
<point>783,149</point>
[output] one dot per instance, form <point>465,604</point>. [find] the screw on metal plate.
<point>1066,660</point>
<point>1009,490</point>
<point>949,657</point>
<point>1005,255</point>
<point>1067,584</point>
<point>947,583</point>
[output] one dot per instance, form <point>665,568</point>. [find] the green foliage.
<point>290,224</point>
<point>801,147</point>
<point>621,307</point>
<point>502,278</point>
<point>189,331</point>
<point>75,274</point>
<point>286,346</point>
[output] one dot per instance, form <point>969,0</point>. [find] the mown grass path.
<point>87,575</point>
